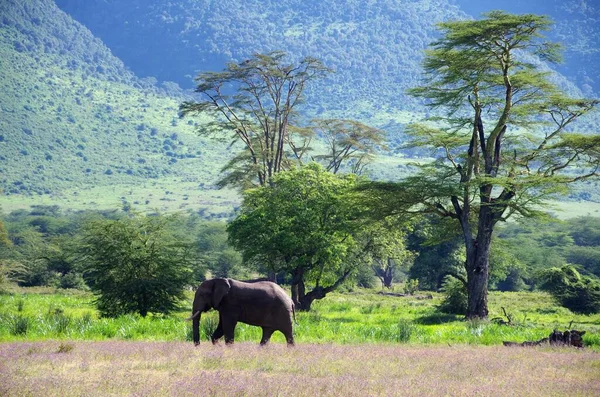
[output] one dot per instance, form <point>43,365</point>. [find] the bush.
<point>137,265</point>
<point>411,286</point>
<point>20,325</point>
<point>405,330</point>
<point>570,289</point>
<point>455,296</point>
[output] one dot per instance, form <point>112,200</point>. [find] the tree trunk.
<point>307,300</point>
<point>477,285</point>
<point>298,288</point>
<point>478,266</point>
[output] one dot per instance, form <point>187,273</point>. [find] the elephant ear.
<point>220,289</point>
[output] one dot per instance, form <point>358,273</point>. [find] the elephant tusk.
<point>193,316</point>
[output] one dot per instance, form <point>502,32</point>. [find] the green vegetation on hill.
<point>79,129</point>
<point>374,47</point>
<point>73,119</point>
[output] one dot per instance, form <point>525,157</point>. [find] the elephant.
<point>262,303</point>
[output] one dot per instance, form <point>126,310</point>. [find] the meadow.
<point>54,368</point>
<point>357,316</point>
<point>353,343</point>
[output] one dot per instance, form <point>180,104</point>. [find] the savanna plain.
<point>353,343</point>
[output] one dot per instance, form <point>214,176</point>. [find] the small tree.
<point>304,224</point>
<point>136,265</point>
<point>578,293</point>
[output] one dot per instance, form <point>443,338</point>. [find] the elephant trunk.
<point>196,329</point>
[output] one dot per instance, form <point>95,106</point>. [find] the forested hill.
<point>375,47</point>
<point>73,117</point>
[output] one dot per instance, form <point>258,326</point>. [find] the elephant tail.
<point>294,313</point>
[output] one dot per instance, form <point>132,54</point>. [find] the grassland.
<point>355,343</point>
<point>359,317</point>
<point>176,368</point>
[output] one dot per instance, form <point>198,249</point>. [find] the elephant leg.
<point>290,339</point>
<point>266,335</point>
<point>288,332</point>
<point>229,330</point>
<point>218,334</point>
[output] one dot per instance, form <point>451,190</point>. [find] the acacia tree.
<point>348,141</point>
<point>136,265</point>
<point>255,101</point>
<point>504,141</point>
<point>303,224</point>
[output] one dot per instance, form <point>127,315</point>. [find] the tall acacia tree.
<point>504,145</point>
<point>255,101</point>
<point>348,141</point>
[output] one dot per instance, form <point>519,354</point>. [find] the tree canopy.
<point>137,265</point>
<point>255,100</point>
<point>304,224</point>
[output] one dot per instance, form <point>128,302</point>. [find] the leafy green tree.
<point>255,101</point>
<point>437,248</point>
<point>136,265</point>
<point>303,224</point>
<point>383,246</point>
<point>503,142</point>
<point>578,293</point>
<point>214,252</point>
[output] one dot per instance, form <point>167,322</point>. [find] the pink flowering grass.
<point>59,368</point>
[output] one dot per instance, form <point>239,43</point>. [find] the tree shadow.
<point>437,318</point>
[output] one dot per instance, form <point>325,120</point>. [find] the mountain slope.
<point>74,118</point>
<point>375,47</point>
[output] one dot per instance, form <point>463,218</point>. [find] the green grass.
<point>359,317</point>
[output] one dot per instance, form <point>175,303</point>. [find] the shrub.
<point>455,296</point>
<point>20,325</point>
<point>411,286</point>
<point>405,330</point>
<point>578,293</point>
<point>137,264</point>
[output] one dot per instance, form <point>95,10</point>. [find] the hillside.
<point>375,48</point>
<point>88,118</point>
<point>74,120</point>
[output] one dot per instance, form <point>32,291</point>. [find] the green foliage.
<point>493,98</point>
<point>374,48</point>
<point>455,296</point>
<point>303,224</point>
<point>580,294</point>
<point>437,245</point>
<point>540,245</point>
<point>406,329</point>
<point>259,114</point>
<point>411,286</point>
<point>136,265</point>
<point>19,325</point>
<point>350,144</point>
<point>303,220</point>
<point>71,110</point>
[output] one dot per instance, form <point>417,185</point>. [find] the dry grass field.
<point>113,368</point>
